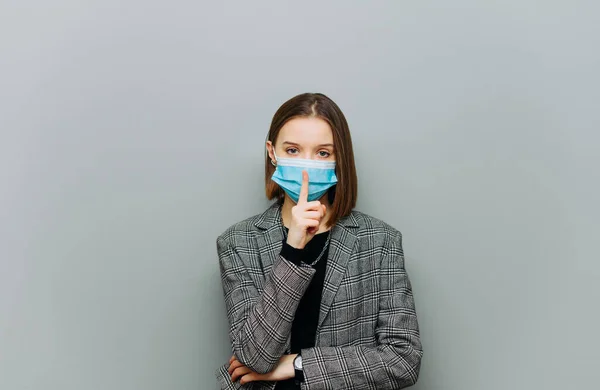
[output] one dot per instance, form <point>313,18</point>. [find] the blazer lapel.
<point>269,237</point>
<point>341,247</point>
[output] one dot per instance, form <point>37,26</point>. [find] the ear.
<point>270,151</point>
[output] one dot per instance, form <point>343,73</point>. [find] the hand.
<point>282,371</point>
<point>307,217</point>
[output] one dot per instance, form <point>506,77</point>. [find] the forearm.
<point>357,367</point>
<point>261,338</point>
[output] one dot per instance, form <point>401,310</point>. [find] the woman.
<point>317,295</point>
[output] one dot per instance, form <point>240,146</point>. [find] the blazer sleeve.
<point>395,361</point>
<point>260,322</point>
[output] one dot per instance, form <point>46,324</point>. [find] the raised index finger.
<point>303,198</point>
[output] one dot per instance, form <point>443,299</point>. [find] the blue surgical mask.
<point>288,174</point>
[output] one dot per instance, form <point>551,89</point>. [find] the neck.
<point>286,212</point>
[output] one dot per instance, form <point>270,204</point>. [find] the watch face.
<point>298,362</point>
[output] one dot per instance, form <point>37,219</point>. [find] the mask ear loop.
<point>273,162</point>
<point>273,146</point>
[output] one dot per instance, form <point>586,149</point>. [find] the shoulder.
<point>375,228</point>
<point>367,224</point>
<point>239,231</point>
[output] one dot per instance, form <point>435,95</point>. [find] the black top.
<point>304,326</point>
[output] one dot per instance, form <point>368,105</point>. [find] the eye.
<point>291,151</point>
<point>324,154</point>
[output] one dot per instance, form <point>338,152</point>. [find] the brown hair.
<point>343,195</point>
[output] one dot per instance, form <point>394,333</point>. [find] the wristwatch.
<point>299,372</point>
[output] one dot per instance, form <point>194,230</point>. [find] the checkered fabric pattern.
<point>367,334</point>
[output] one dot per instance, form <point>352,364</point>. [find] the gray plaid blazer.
<point>367,334</point>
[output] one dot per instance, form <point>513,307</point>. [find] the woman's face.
<point>306,137</point>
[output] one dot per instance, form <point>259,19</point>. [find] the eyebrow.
<point>295,144</point>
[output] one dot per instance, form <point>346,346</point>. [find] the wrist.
<point>294,244</point>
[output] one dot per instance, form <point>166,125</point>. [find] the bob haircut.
<point>343,195</point>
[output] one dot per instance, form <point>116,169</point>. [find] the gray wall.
<point>131,135</point>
